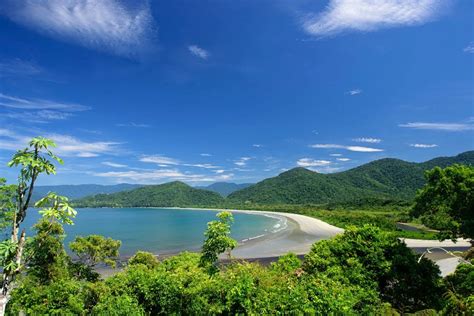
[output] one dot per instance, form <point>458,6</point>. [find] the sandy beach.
<point>302,231</point>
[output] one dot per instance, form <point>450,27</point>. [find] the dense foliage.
<point>385,179</point>
<point>363,271</point>
<point>173,194</point>
<point>446,202</point>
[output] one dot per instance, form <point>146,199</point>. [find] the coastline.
<point>300,233</point>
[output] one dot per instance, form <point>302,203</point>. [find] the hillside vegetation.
<point>382,182</point>
<point>173,194</point>
<point>384,179</point>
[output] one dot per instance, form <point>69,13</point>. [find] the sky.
<point>237,91</point>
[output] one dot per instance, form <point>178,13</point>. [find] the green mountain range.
<point>225,188</point>
<point>172,194</point>
<point>383,180</point>
<point>390,179</point>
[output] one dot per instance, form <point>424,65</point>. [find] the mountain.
<point>224,188</point>
<point>81,190</point>
<point>384,179</point>
<point>173,194</point>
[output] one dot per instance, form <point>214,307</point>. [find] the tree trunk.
<point>3,304</point>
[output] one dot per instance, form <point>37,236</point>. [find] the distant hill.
<point>390,179</point>
<point>81,190</point>
<point>225,188</point>
<point>173,194</point>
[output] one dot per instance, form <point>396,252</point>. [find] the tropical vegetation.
<point>364,271</point>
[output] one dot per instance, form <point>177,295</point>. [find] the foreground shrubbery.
<point>363,271</point>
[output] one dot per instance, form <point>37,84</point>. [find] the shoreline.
<point>298,235</point>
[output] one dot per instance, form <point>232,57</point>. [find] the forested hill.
<point>384,179</point>
<point>173,194</point>
<point>392,179</point>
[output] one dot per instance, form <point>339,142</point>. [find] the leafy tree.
<point>217,241</point>
<point>460,291</point>
<point>146,258</point>
<point>94,249</point>
<point>446,202</point>
<point>34,160</point>
<point>371,258</point>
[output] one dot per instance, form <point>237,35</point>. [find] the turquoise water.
<point>158,230</point>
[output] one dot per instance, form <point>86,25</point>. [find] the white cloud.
<point>335,155</point>
<point>308,162</point>
<point>354,92</point>
<point>367,140</point>
<point>198,51</point>
<point>164,161</point>
<point>205,155</point>
<point>371,15</point>
<point>242,161</point>
<point>219,171</point>
<point>72,146</point>
<point>350,148</point>
<point>106,25</point>
<point>68,146</point>
<point>342,159</point>
<point>469,48</point>
<point>160,176</point>
<point>452,127</point>
<point>161,160</point>
<point>257,145</point>
<point>113,164</point>
<point>39,104</point>
<point>423,145</point>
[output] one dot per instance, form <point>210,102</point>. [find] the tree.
<point>371,258</point>
<point>217,241</point>
<point>34,160</point>
<point>446,202</point>
<point>94,249</point>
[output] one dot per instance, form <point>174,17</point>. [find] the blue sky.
<point>205,91</point>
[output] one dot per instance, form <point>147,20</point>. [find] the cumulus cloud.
<point>367,140</point>
<point>198,51</point>
<point>451,127</point>
<point>423,145</point>
<point>106,25</point>
<point>350,148</point>
<point>342,159</point>
<point>371,15</point>
<point>308,162</point>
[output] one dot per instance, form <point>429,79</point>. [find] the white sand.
<point>303,231</point>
